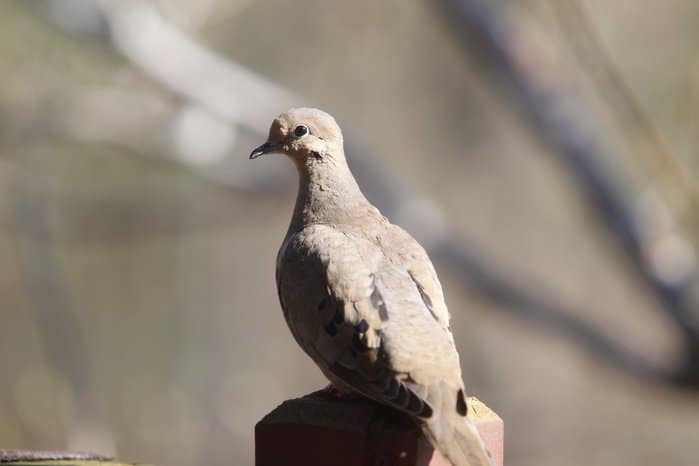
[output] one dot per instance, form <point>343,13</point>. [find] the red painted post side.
<point>321,431</point>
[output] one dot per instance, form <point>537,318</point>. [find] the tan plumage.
<point>361,296</point>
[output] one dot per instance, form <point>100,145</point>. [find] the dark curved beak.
<point>269,146</point>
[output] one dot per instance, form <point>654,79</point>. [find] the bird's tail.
<point>453,434</point>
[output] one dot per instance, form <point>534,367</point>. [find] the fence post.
<point>318,431</point>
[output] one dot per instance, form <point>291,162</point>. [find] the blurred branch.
<point>223,101</point>
<point>621,100</point>
<point>182,133</point>
<point>142,36</point>
<point>562,123</point>
<point>64,344</point>
<point>231,94</point>
<point>239,97</point>
<point>541,309</point>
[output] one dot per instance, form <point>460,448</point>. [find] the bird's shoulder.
<point>326,241</point>
<point>343,256</point>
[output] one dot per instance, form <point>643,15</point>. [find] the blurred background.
<point>544,152</point>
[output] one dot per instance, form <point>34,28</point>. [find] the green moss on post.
<point>55,458</point>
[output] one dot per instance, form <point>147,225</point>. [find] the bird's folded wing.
<point>366,318</point>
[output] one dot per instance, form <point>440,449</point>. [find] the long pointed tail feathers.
<point>453,434</point>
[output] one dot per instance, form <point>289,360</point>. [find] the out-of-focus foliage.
<point>139,314</point>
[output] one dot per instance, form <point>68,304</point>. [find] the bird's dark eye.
<point>300,131</point>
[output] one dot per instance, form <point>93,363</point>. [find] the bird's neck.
<point>328,194</point>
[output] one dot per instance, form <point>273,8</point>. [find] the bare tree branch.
<point>562,123</point>
<point>645,135</point>
<point>64,343</point>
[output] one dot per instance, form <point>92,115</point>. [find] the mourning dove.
<point>361,296</point>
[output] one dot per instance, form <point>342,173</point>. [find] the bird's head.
<point>303,134</point>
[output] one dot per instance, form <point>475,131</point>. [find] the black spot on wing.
<point>359,338</point>
<point>332,314</point>
<point>362,326</point>
<point>461,406</point>
<point>423,294</point>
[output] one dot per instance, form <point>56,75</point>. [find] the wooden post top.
<point>318,430</point>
